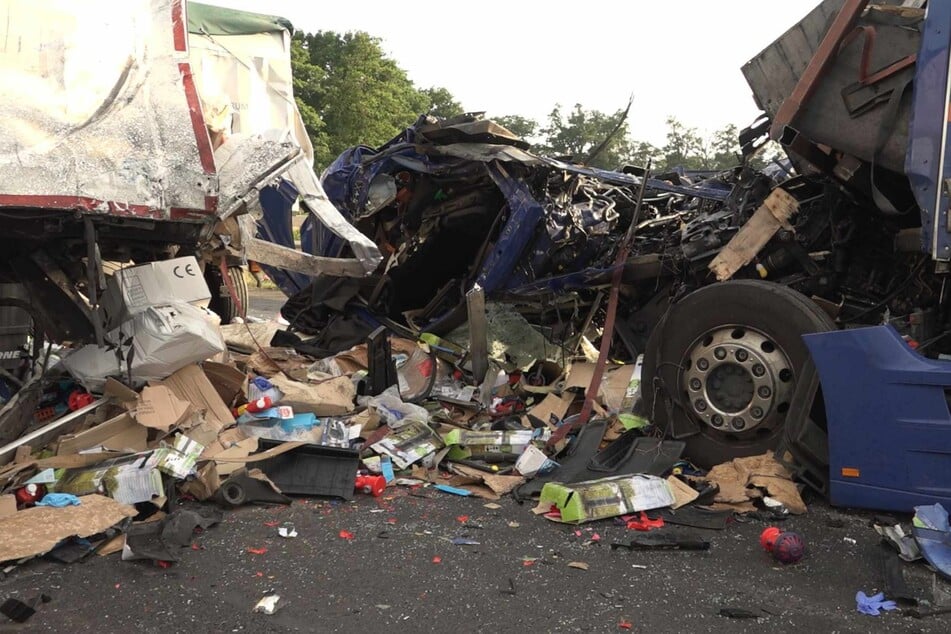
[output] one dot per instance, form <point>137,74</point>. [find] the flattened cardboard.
<point>121,433</point>
<point>192,385</point>
<point>160,408</point>
<point>683,493</point>
<point>8,506</point>
<point>37,530</point>
<point>330,398</point>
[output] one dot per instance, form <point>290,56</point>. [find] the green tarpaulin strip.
<point>212,20</point>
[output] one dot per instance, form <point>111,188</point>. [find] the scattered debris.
<point>873,605</point>
<point>268,605</point>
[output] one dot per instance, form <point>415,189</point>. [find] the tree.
<point>441,102</point>
<point>581,131</point>
<point>360,95</point>
<point>725,147</point>
<point>520,126</point>
<point>307,81</point>
<point>684,148</point>
<point>642,151</point>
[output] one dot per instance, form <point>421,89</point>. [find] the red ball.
<point>768,537</point>
<point>788,548</point>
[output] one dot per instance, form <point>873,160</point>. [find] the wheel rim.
<point>736,380</point>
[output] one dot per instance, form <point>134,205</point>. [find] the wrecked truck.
<point>142,131</point>
<point>726,273</point>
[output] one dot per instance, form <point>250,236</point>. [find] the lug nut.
<point>758,370</point>
<point>757,412</point>
<point>700,405</point>
<point>720,353</point>
<point>717,420</point>
<point>738,424</point>
<point>703,365</point>
<point>764,392</point>
<point>695,384</point>
<point>742,355</point>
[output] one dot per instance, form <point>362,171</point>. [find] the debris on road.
<point>634,350</point>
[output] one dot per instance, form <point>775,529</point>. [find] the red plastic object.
<point>79,399</point>
<point>30,494</point>
<point>768,538</point>
<point>643,523</point>
<point>259,405</point>
<point>371,485</point>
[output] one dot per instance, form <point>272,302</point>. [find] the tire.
<point>221,301</point>
<point>721,367</point>
<point>233,494</point>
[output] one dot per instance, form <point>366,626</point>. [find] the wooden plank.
<point>772,215</point>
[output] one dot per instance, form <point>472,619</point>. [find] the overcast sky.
<point>678,57</point>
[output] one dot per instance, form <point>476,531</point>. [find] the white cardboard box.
<point>161,339</point>
<point>133,289</point>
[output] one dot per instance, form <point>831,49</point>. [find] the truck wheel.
<point>221,301</point>
<point>721,368</point>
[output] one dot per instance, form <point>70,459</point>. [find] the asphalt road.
<point>401,573</point>
<point>265,303</point>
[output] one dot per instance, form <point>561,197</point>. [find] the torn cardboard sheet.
<point>603,498</point>
<point>37,530</point>
<point>742,480</point>
<point>230,382</point>
<point>121,433</point>
<point>482,484</point>
<point>330,398</point>
<point>552,407</point>
<point>614,384</point>
<point>159,408</point>
<point>192,385</point>
<point>683,493</point>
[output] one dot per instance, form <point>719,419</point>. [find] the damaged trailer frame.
<point>726,274</point>
<point>120,143</point>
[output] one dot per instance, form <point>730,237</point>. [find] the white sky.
<point>678,57</point>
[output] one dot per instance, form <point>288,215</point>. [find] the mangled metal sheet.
<point>100,110</point>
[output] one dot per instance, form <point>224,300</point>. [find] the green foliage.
<point>440,102</point>
<point>351,93</point>
<point>518,125</point>
<point>581,131</point>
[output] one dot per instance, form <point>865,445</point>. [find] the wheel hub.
<point>735,378</point>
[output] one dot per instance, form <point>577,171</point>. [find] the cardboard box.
<point>150,347</point>
<point>133,289</point>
